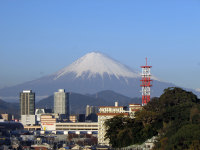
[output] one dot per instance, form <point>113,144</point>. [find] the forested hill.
<point>11,108</point>
<point>174,116</point>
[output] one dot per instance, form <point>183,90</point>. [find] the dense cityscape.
<point>52,129</point>
<point>45,128</point>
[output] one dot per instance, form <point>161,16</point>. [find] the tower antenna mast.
<point>146,83</point>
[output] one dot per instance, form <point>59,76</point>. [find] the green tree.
<point>184,137</point>
<point>113,127</point>
<point>175,117</point>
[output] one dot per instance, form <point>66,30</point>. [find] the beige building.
<point>48,121</point>
<point>73,118</point>
<point>108,112</point>
<point>6,117</point>
<point>133,108</point>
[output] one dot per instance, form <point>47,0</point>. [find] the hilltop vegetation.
<point>174,118</point>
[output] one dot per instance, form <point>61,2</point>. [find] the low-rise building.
<point>73,118</point>
<point>28,119</point>
<point>6,117</point>
<point>133,108</point>
<point>39,112</point>
<point>77,126</point>
<point>77,118</point>
<point>48,121</point>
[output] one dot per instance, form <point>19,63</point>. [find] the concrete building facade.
<point>91,113</point>
<point>28,119</point>
<point>108,112</point>
<point>48,121</point>
<point>6,117</point>
<point>27,107</point>
<point>39,112</point>
<point>73,118</point>
<point>61,103</point>
<point>27,102</point>
<point>90,110</point>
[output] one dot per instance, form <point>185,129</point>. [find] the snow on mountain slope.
<point>91,73</point>
<point>97,63</point>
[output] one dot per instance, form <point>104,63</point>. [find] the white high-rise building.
<point>61,103</point>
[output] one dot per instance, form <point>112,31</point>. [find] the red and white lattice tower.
<point>146,83</point>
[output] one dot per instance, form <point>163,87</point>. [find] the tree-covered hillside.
<point>174,118</point>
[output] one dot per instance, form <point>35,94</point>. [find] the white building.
<point>49,123</point>
<point>28,119</point>
<point>77,126</point>
<point>61,103</point>
<point>108,112</point>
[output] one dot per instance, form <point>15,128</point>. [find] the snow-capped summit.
<point>97,63</point>
<point>91,73</point>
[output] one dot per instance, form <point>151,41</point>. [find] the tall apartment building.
<point>27,107</point>
<point>61,103</point>
<point>27,102</point>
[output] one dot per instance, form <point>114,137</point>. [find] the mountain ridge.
<point>79,101</point>
<point>89,74</point>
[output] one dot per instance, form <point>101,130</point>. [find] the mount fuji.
<point>91,73</point>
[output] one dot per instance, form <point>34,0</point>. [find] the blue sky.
<point>38,38</point>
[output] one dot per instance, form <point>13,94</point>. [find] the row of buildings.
<point>58,121</point>
<point>30,115</point>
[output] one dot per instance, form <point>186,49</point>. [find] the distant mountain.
<point>91,73</point>
<point>111,96</point>
<point>11,108</point>
<point>78,102</point>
